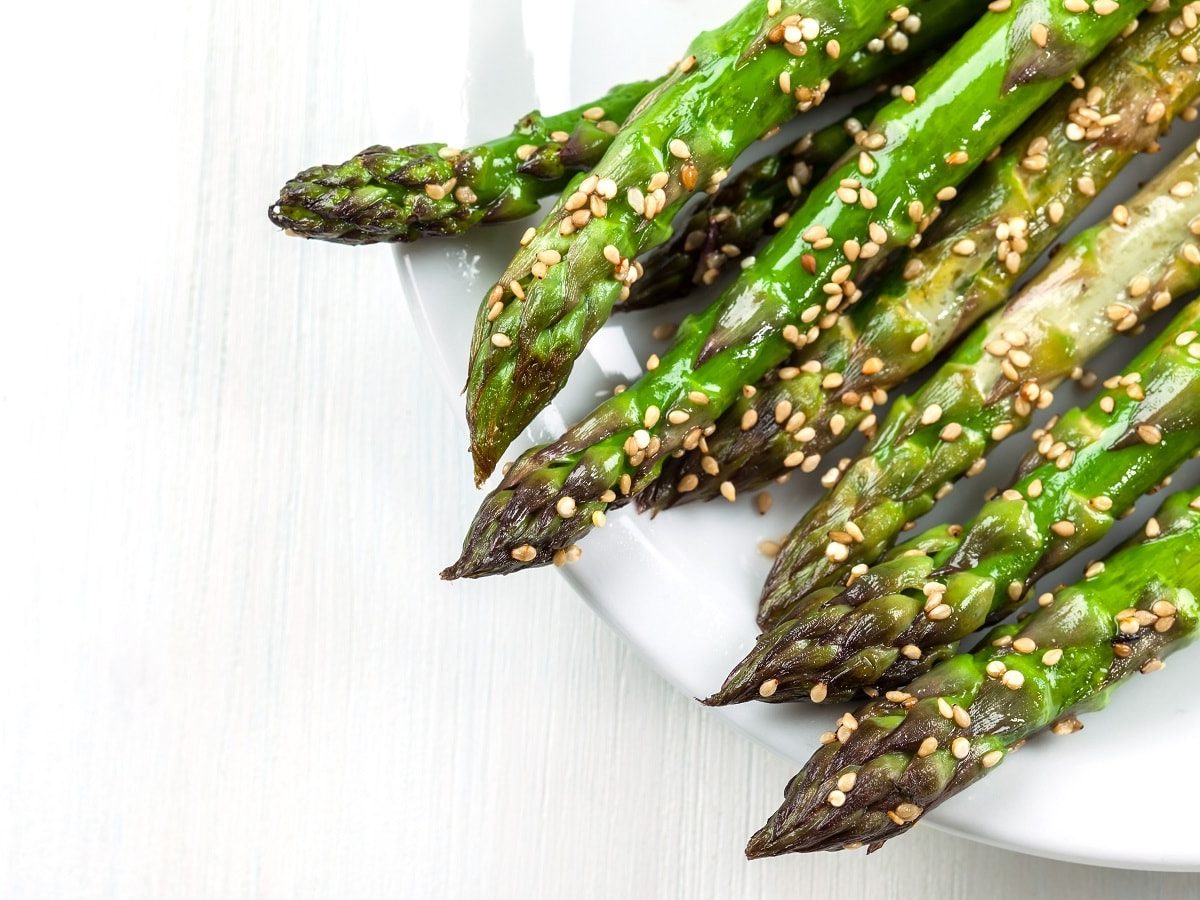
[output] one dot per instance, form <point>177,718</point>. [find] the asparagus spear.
<point>384,194</point>
<point>907,613</point>
<point>736,82</point>
<point>968,101</point>
<point>1091,292</point>
<point>1015,207</point>
<point>730,222</point>
<point>901,755</point>
<point>380,195</point>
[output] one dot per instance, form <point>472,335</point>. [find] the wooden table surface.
<point>229,669</point>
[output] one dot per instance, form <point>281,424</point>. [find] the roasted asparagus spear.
<point>386,194</point>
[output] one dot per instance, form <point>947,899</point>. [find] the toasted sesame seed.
<point>1150,434</point>
<point>524,553</point>
<point>1013,679</point>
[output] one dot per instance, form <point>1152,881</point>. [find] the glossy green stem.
<point>730,223</point>
<point>907,613</point>
<point>964,106</point>
<point>899,756</point>
<point>1017,205</point>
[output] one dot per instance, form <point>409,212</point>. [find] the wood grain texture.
<point>229,669</point>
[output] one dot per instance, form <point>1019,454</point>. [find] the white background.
<point>228,480</point>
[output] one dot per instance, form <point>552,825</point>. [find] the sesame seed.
<point>960,747</point>
<point>991,759</point>
<point>920,343</point>
<point>524,553</point>
<point>501,340</point>
<point>1105,7</point>
<point>1150,434</point>
<point>1013,679</point>
<point>952,432</point>
<point>728,491</point>
<point>1024,645</point>
<point>908,812</point>
<point>679,149</point>
<point>818,693</point>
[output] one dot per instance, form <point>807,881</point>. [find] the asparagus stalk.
<point>969,100</point>
<point>384,194</point>
<point>731,222</point>
<point>1015,207</point>
<point>399,195</point>
<point>901,755</point>
<point>907,613</point>
<point>737,82</point>
<point>1102,284</point>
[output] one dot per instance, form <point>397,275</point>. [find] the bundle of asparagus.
<point>896,619</point>
<point>864,250</point>
<point>912,157</point>
<point>1016,206</point>
<point>898,757</point>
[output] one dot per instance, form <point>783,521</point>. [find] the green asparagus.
<point>897,619</point>
<point>916,150</point>
<point>384,194</point>
<point>899,756</point>
<point>737,82</point>
<point>1015,207</point>
<point>399,195</point>
<point>1103,283</point>
<point>732,221</point>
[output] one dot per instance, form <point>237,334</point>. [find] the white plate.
<point>683,587</point>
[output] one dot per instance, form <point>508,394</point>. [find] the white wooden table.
<point>229,669</point>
